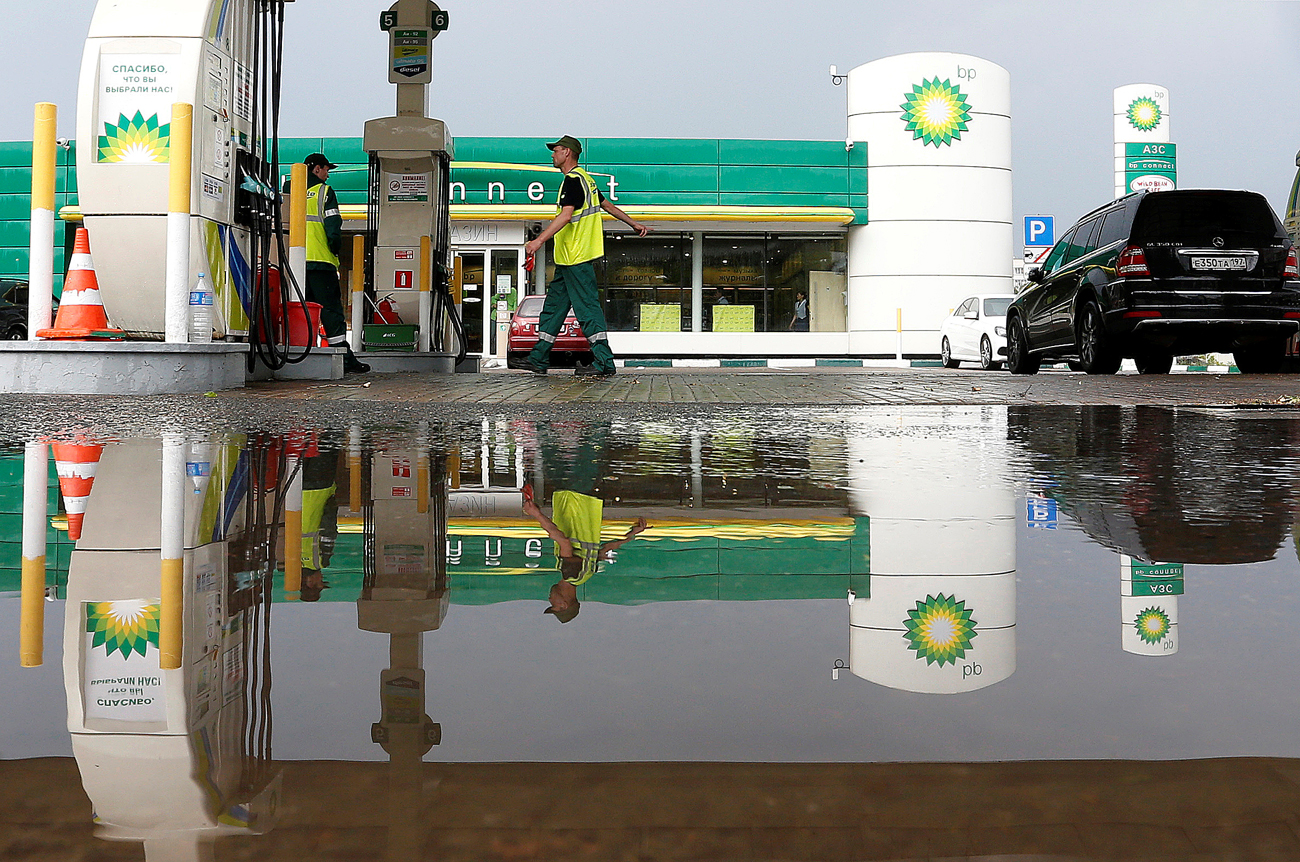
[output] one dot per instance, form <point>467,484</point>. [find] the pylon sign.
<point>1145,159</point>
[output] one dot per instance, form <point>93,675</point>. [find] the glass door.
<point>505,295</point>
<point>474,299</point>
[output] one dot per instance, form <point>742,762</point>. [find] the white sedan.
<point>976,332</point>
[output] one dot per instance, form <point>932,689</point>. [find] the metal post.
<point>358,291</point>
<point>172,608</point>
<point>176,320</point>
<point>36,471</point>
<point>899,324</point>
<point>697,281</point>
<point>40,276</point>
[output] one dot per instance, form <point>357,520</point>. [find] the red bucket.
<point>302,330</point>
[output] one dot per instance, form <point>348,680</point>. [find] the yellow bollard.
<point>426,297</point>
<point>40,291</point>
<point>358,291</point>
<point>176,307</point>
<point>171,610</point>
<point>293,532</point>
<point>298,225</point>
<point>31,627</point>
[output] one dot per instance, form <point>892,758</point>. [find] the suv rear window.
<point>1195,218</point>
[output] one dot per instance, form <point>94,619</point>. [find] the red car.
<point>570,345</point>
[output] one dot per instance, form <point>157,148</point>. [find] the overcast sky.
<point>759,70</point>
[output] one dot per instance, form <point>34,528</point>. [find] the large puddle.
<point>883,634</point>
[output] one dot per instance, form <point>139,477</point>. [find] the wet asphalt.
<point>398,399</point>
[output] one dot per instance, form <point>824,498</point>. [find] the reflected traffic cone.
<point>76,463</point>
<point>81,313</point>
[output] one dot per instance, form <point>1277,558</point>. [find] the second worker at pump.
<point>579,242</point>
<point>324,239</point>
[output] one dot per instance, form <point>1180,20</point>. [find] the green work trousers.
<point>573,286</point>
<point>323,288</point>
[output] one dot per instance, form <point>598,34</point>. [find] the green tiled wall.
<point>649,171</point>
<point>58,548</point>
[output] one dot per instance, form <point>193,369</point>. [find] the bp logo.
<point>940,629</point>
<point>135,140</point>
<point>935,112</point>
<point>1144,114</point>
<point>1152,625</point>
<point>126,627</point>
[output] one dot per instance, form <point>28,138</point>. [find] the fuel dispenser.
<point>405,594</point>
<point>410,190</point>
<point>172,757</point>
<point>225,58</point>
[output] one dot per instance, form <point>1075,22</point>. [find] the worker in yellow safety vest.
<point>573,459</point>
<point>579,243</point>
<point>324,239</point>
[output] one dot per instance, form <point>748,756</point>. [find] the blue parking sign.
<point>1040,231</point>
<point>1040,511</point>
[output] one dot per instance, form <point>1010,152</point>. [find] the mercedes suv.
<point>1157,274</point>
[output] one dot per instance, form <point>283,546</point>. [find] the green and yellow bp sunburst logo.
<point>940,629</point>
<point>125,627</point>
<point>1152,625</point>
<point>1144,114</point>
<point>936,112</point>
<point>135,140</point>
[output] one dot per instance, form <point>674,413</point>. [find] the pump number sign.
<point>409,52</point>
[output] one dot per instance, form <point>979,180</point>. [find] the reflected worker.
<point>573,458</point>
<point>575,527</point>
<point>579,242</point>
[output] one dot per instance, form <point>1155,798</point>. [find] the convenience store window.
<point>646,282</point>
<point>752,282</point>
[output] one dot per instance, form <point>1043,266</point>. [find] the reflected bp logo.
<point>936,112</point>
<point>126,627</point>
<point>135,140</point>
<point>940,629</point>
<point>1144,114</point>
<point>1152,625</point>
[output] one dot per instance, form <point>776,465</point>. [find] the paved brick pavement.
<point>797,387</point>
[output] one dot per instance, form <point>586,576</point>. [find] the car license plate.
<point>1225,262</point>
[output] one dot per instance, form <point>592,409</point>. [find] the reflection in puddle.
<point>629,628</point>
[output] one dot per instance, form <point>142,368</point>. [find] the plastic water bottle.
<point>201,312</point>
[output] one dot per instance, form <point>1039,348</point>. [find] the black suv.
<point>1157,274</point>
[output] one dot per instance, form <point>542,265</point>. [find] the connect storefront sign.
<point>1150,167</point>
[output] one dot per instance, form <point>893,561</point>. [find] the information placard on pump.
<point>409,54</point>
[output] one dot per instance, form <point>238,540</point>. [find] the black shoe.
<point>591,370</point>
<point>352,365</point>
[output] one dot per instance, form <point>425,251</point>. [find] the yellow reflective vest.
<point>583,238</point>
<point>318,247</point>
<point>313,512</point>
<point>579,517</point>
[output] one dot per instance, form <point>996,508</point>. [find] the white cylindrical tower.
<point>939,614</point>
<point>1145,160</point>
<point>937,128</point>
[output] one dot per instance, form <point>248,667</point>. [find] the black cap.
<point>569,141</point>
<point>318,160</point>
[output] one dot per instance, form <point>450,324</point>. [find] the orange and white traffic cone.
<point>76,463</point>
<point>81,312</point>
